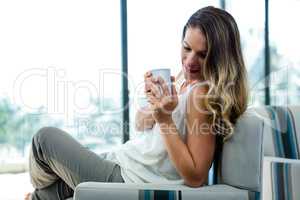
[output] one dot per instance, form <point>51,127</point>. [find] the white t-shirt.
<point>145,159</point>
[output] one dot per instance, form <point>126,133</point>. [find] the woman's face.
<point>193,53</point>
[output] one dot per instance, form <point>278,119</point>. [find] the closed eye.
<point>202,55</point>
<point>187,48</point>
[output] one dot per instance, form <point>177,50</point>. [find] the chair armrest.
<point>125,191</point>
<point>281,178</point>
<point>280,160</point>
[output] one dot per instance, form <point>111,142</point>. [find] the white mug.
<point>165,74</point>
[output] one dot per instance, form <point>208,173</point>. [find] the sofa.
<point>260,161</point>
<point>237,172</point>
<point>281,166</point>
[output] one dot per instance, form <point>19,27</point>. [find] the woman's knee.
<point>44,134</point>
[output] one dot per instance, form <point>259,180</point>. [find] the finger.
<point>164,86</point>
<point>154,79</point>
<point>174,92</point>
<point>148,97</point>
<point>151,99</point>
<point>165,89</point>
<point>147,77</point>
<point>155,90</point>
<point>160,80</point>
<point>147,86</point>
<point>149,94</point>
<point>172,78</point>
<point>148,81</point>
<point>147,74</point>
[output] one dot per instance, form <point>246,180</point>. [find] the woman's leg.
<point>59,163</point>
<point>58,190</point>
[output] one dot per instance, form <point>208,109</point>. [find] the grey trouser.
<point>58,163</point>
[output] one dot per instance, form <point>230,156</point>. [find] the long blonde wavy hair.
<point>223,68</point>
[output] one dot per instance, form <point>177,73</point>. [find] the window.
<point>59,61</point>
<point>249,16</point>
<point>284,52</point>
<point>154,38</point>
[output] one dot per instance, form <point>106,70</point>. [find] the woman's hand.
<point>148,81</point>
<point>162,103</point>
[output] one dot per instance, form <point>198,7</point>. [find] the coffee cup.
<point>165,74</point>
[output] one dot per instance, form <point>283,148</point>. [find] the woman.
<point>182,129</point>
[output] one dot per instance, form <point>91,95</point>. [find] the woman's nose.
<point>192,60</point>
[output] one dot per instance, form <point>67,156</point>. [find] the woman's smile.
<point>192,69</point>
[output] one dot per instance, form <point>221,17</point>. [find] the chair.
<point>239,173</point>
<point>281,168</point>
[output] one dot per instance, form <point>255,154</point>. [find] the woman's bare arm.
<point>193,158</point>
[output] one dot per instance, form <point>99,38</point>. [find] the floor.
<point>14,186</point>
